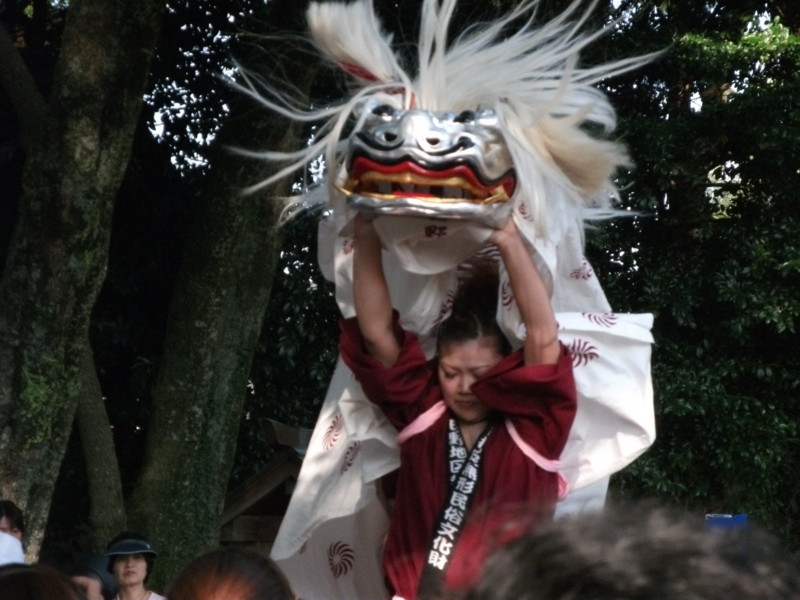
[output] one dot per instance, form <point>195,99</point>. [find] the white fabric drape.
<point>331,538</point>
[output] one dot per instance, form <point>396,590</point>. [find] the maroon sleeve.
<point>541,400</point>
<point>405,389</point>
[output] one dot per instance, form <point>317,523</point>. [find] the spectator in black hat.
<point>130,559</point>
<point>90,574</point>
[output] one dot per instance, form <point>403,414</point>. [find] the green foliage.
<point>297,350</point>
<point>714,254</point>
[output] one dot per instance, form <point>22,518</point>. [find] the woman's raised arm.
<point>371,294</point>
<point>541,344</point>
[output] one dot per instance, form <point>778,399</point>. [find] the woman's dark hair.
<point>35,582</point>
<point>636,550</point>
<point>139,545</point>
<point>13,513</point>
<point>95,566</point>
<point>230,574</point>
<point>474,312</point>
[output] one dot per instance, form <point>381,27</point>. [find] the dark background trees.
<point>174,295</point>
<point>714,254</point>
<point>75,125</point>
<point>180,314</point>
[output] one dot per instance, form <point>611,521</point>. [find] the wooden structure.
<point>253,511</point>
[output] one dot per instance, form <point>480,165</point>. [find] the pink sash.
<point>429,417</point>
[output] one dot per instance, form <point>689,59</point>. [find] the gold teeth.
<point>448,190</point>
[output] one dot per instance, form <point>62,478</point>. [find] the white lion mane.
<point>528,73</point>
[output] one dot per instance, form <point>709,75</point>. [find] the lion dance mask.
<point>492,124</point>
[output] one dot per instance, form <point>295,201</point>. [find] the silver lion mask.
<point>430,164</point>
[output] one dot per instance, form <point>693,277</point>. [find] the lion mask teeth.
<point>407,184</point>
<point>388,188</point>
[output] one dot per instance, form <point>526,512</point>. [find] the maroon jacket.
<point>540,400</point>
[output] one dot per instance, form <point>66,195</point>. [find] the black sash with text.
<point>464,472</point>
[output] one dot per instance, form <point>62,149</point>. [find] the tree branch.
<point>21,89</point>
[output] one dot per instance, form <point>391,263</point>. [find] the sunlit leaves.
<point>188,94</point>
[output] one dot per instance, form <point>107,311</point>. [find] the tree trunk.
<point>107,508</point>
<point>214,323</point>
<point>76,157</point>
<point>215,319</point>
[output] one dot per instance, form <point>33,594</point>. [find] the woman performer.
<point>481,428</point>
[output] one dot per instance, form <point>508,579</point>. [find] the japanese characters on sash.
<point>488,127</point>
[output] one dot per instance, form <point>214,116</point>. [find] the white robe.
<point>330,541</point>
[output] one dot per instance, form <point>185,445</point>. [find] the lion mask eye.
<point>466,116</point>
<point>384,110</point>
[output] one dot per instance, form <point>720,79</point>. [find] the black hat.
<point>130,546</point>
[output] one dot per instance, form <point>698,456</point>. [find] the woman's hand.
<point>507,233</point>
<point>363,226</point>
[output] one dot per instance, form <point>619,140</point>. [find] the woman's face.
<point>460,365</point>
<point>6,526</point>
<point>130,569</point>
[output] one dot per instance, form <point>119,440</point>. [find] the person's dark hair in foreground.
<point>34,582</point>
<point>637,553</point>
<point>90,574</point>
<point>230,574</point>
